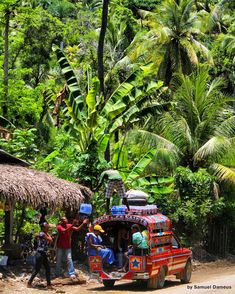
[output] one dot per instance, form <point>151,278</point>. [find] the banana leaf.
<point>120,156</point>
<point>162,190</point>
<point>140,166</point>
<point>71,80</point>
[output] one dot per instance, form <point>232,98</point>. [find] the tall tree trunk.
<point>100,52</point>
<point>6,64</point>
<point>100,55</point>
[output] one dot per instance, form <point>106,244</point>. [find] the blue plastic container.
<point>86,208</point>
<point>118,210</point>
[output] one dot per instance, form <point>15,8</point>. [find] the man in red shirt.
<point>64,245</point>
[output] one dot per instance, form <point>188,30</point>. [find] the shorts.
<point>118,185</point>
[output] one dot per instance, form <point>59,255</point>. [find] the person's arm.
<point>90,242</point>
<point>61,230</point>
<point>101,179</point>
<point>85,222</point>
<point>45,236</point>
<point>48,238</point>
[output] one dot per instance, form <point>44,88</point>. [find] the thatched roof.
<point>32,187</point>
<point>6,157</point>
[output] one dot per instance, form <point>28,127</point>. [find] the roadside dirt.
<point>214,277</point>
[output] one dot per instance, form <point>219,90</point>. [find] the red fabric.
<point>64,239</point>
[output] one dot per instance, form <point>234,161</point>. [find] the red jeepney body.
<point>165,251</point>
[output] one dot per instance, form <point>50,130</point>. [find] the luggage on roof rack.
<point>135,210</point>
<point>137,197</point>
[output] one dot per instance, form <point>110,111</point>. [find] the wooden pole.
<point>8,224</point>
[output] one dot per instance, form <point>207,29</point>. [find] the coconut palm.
<point>213,18</point>
<point>201,128</point>
<point>172,39</point>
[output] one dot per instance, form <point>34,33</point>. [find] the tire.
<point>187,272</point>
<point>157,282</point>
<point>161,278</point>
<point>108,283</point>
<point>152,283</point>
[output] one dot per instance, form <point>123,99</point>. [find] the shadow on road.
<point>134,286</point>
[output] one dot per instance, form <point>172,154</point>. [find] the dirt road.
<point>217,277</point>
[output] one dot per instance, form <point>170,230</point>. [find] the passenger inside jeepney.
<point>96,247</point>
<point>123,239</point>
<point>109,237</point>
<point>139,245</point>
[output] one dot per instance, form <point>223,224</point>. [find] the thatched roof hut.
<point>32,187</point>
<point>19,183</point>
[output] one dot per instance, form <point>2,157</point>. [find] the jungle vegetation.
<point>147,86</point>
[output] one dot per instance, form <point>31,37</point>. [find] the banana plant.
<point>137,178</point>
<point>93,119</point>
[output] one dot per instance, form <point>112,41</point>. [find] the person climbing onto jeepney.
<point>139,245</point>
<point>95,247</point>
<point>114,182</point>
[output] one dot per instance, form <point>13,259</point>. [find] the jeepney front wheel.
<point>187,272</point>
<point>108,283</point>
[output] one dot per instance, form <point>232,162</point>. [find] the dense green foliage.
<point>165,119</point>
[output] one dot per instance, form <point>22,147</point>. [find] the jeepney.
<point>166,256</point>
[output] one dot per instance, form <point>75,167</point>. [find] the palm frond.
<point>216,84</point>
<point>222,172</point>
<point>167,158</point>
<point>228,42</point>
<point>177,130</point>
<point>216,147</point>
<point>204,50</point>
<point>188,48</point>
<point>156,140</point>
<point>186,7</point>
<point>227,128</point>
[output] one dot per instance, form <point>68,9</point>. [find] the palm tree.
<point>201,128</point>
<point>212,18</point>
<point>171,40</point>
